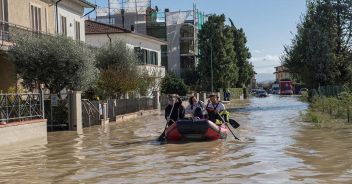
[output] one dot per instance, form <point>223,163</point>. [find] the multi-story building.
<point>178,28</point>
<point>70,18</point>
<point>282,73</point>
<point>36,16</point>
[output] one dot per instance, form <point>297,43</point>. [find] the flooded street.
<point>275,147</point>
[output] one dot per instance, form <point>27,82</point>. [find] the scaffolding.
<point>128,14</point>
<point>179,29</point>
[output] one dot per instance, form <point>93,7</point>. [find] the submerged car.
<point>261,93</point>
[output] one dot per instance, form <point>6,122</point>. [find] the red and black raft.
<point>195,130</point>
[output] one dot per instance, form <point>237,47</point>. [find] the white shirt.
<point>190,108</point>
<point>217,106</point>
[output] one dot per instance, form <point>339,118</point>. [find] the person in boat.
<point>216,109</point>
<point>195,107</point>
<point>174,110</point>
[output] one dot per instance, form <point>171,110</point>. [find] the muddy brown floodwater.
<point>275,147</point>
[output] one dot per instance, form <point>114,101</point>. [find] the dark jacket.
<point>177,113</point>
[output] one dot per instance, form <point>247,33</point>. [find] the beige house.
<point>37,16</point>
<point>281,73</point>
<point>30,15</point>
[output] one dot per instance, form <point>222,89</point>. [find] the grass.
<point>323,120</point>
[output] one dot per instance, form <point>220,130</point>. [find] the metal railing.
<point>20,107</point>
<point>7,30</point>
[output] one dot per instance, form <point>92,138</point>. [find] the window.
<point>4,28</point>
<point>78,30</point>
<point>63,25</point>
<point>139,52</point>
<point>3,10</point>
<point>153,58</point>
<point>36,16</point>
<point>187,62</point>
<point>145,56</point>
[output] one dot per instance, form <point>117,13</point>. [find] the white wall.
<point>98,40</point>
<point>73,12</point>
<point>23,131</point>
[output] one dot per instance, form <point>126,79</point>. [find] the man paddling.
<point>173,112</point>
<point>216,108</point>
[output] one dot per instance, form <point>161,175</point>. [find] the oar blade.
<point>234,123</point>
<point>162,137</point>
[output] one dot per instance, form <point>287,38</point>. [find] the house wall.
<point>19,13</point>
<point>98,40</point>
<point>73,12</point>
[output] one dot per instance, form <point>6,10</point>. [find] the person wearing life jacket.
<point>195,107</point>
<point>174,110</point>
<point>216,108</point>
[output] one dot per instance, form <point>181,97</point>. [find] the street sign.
<point>54,99</point>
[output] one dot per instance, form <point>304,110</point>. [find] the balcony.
<point>7,30</point>
<point>152,70</point>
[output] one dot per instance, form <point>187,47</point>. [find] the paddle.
<point>162,136</point>
<point>234,123</point>
<point>222,119</point>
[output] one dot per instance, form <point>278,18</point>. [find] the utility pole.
<point>136,24</point>
<point>109,12</point>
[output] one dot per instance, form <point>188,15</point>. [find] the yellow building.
<point>282,73</point>
<point>30,15</point>
<point>37,16</point>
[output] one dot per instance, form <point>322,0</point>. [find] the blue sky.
<point>268,24</point>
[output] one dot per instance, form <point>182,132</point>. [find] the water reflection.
<point>275,147</point>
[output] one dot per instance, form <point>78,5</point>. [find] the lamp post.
<point>211,65</point>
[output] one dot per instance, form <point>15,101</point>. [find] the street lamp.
<point>211,65</point>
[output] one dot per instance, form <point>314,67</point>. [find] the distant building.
<point>253,84</point>
<point>282,73</point>
<point>148,48</point>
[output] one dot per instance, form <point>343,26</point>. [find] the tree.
<point>118,66</point>
<point>218,37</point>
<point>171,84</point>
<point>56,61</point>
<point>119,74</point>
<point>320,51</point>
<point>245,68</point>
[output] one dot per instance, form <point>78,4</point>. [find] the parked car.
<point>261,93</point>
<point>254,91</point>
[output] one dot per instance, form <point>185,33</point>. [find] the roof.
<point>94,27</point>
<point>87,4</point>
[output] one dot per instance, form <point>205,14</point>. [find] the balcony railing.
<point>8,30</point>
<point>20,106</point>
<point>153,70</point>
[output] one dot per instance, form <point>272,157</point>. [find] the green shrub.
<point>173,85</point>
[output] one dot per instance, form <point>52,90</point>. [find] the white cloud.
<point>257,51</point>
<point>265,64</point>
